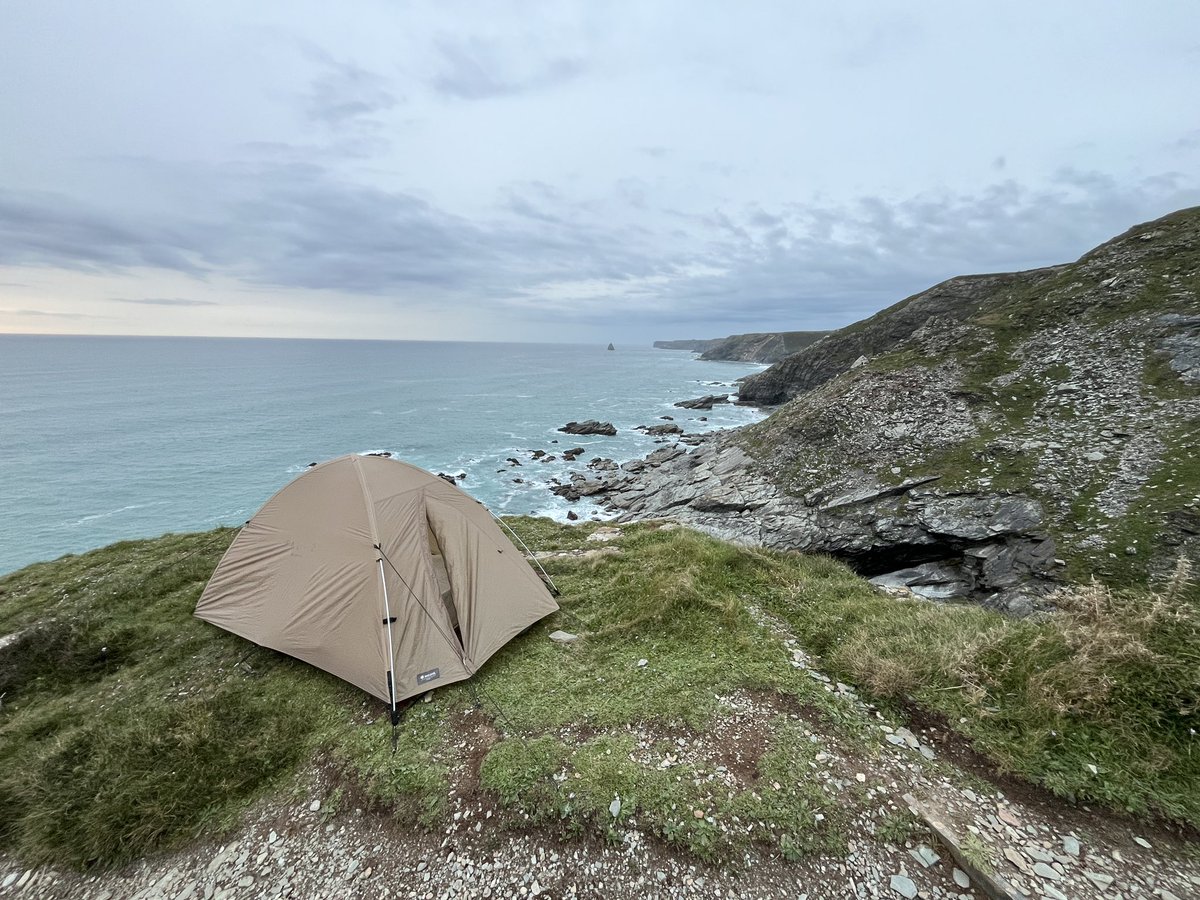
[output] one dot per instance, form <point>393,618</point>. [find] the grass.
<point>129,727</point>
<point>1059,701</point>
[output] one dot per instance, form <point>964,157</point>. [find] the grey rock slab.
<point>563,637</point>
<point>1038,854</point>
<point>1070,845</point>
<point>1044,871</point>
<point>961,878</point>
<point>925,856</point>
<point>1016,859</point>
<point>903,885</point>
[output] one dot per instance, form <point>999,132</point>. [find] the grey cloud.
<point>166,301</point>
<point>834,265</point>
<point>52,314</point>
<point>346,92</point>
<point>474,69</point>
<point>818,265</point>
<point>291,225</point>
<point>48,229</point>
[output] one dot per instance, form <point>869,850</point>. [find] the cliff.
<point>695,346</point>
<point>762,347</point>
<point>988,438</point>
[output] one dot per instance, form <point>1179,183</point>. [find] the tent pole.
<point>533,559</point>
<point>387,618</point>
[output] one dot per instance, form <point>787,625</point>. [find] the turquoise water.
<point>107,438</point>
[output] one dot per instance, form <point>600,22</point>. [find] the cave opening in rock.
<point>888,558</point>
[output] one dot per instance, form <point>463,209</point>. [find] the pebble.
<point>961,878</point>
<point>924,856</point>
<point>1016,859</point>
<point>1142,842</point>
<point>315,806</point>
<point>903,885</point>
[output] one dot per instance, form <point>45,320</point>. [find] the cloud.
<point>544,256</point>
<point>42,228</point>
<point>53,314</point>
<point>346,93</point>
<point>166,301</point>
<point>477,69</point>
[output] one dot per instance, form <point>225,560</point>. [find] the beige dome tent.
<point>378,572</point>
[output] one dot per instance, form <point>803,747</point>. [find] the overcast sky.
<point>587,171</point>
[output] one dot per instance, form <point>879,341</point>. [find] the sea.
<point>110,438</point>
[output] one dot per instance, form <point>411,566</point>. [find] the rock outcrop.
<point>939,543</point>
<point>591,426</point>
<point>705,402</point>
<point>982,439</point>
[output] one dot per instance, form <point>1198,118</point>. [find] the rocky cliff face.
<point>695,346</point>
<point>1004,432</point>
<point>765,347</point>
<point>761,348</point>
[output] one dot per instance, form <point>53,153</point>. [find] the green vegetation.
<point>128,726</point>
<point>1059,701</point>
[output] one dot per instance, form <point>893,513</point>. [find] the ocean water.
<point>109,438</point>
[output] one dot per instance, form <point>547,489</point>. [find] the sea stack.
<point>611,347</point>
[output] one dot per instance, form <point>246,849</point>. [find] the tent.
<point>372,569</point>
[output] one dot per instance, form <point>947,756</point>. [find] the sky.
<point>567,171</point>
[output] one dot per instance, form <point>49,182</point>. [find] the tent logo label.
<point>425,677</point>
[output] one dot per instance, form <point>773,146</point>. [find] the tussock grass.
<point>1060,700</point>
<point>129,727</point>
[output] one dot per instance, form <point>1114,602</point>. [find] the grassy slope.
<point>174,727</point>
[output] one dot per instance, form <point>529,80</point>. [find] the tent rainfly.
<point>378,572</point>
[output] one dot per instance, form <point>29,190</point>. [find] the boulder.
<point>665,428</point>
<point>705,402</point>
<point>591,426</point>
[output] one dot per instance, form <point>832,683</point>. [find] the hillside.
<point>729,720</point>
<point>762,348</point>
<point>765,347</point>
<point>694,346</point>
<point>988,438</point>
